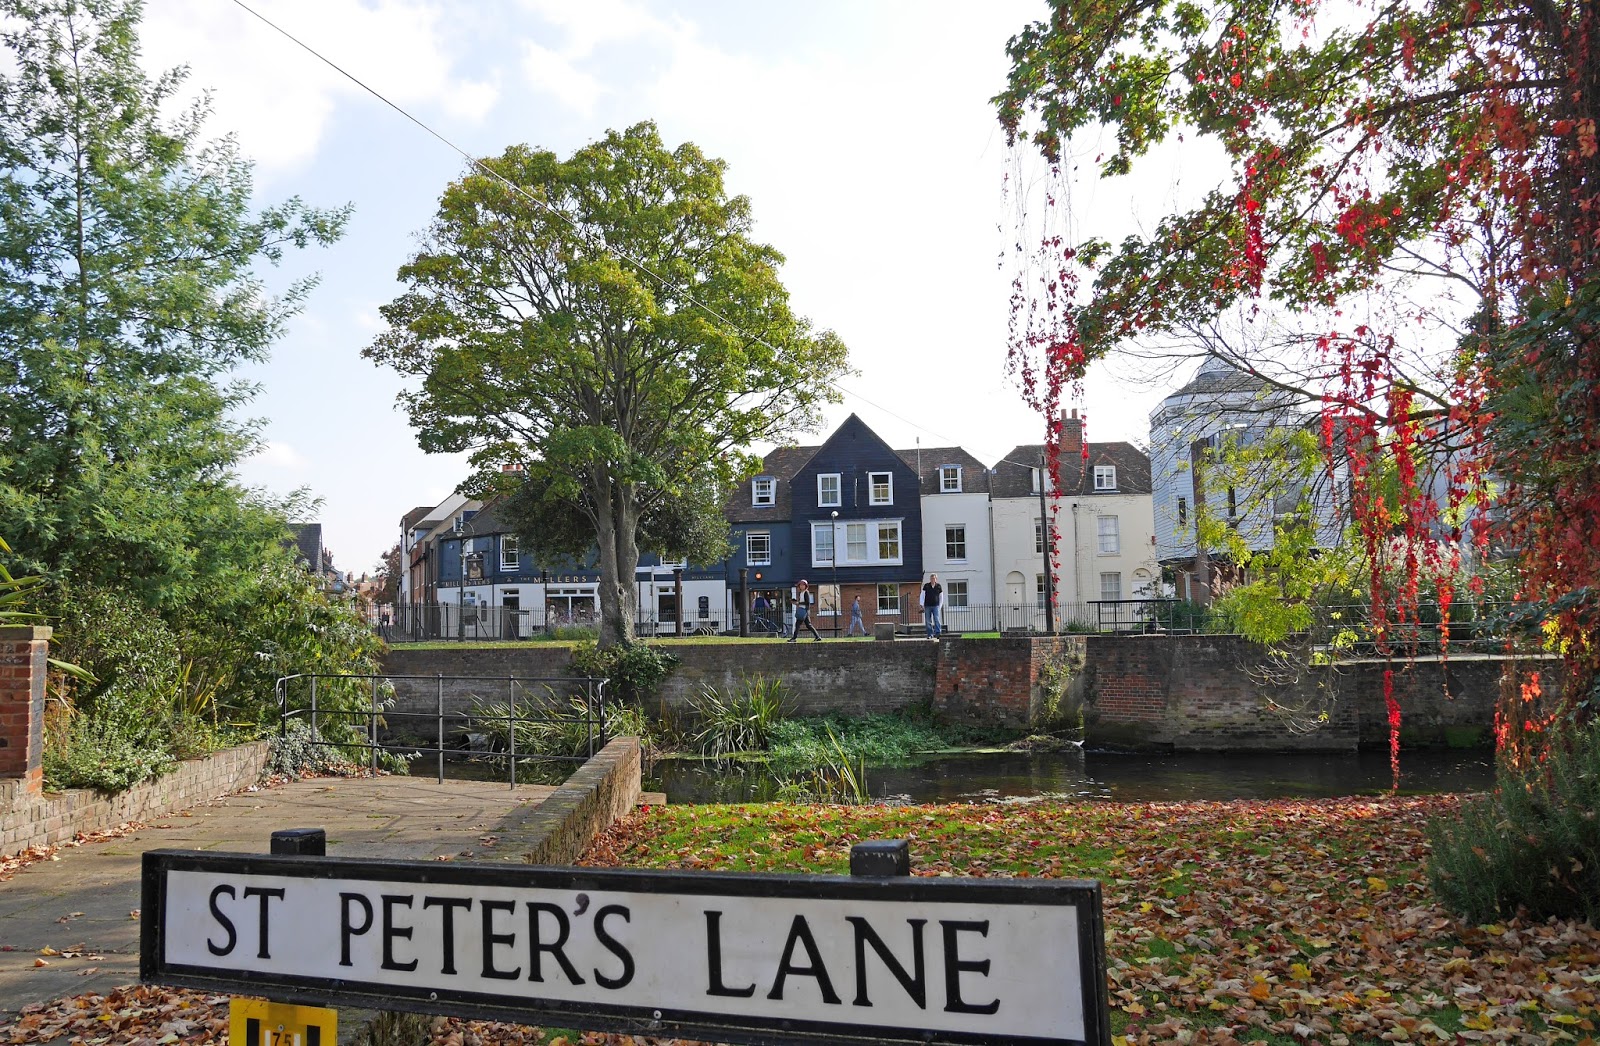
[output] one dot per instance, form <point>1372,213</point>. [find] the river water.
<point>1077,774</point>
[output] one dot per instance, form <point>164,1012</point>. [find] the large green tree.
<point>607,321</point>
<point>127,298</point>
<point>1379,159</point>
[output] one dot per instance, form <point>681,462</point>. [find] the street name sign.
<point>725,957</point>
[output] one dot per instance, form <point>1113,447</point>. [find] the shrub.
<point>97,754</point>
<point>738,720</point>
<point>299,750</point>
<point>129,719</point>
<point>1533,844</point>
<point>633,672</point>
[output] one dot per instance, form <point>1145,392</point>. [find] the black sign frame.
<point>1083,895</point>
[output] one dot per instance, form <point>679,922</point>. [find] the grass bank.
<point>1284,922</point>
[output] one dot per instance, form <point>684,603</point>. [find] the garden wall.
<point>30,819</point>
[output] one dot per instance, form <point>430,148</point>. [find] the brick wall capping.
<point>24,633</point>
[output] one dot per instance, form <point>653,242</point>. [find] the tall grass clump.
<point>738,719</point>
<point>1532,845</point>
<point>876,739</point>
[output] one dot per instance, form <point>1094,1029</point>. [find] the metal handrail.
<point>594,722</point>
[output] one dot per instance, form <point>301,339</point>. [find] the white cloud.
<point>554,74</point>
<point>279,98</point>
<point>279,455</point>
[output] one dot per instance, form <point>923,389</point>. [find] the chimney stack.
<point>1071,434</point>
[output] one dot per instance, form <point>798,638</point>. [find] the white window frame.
<point>955,594</point>
<point>767,485</point>
<point>949,479</point>
<point>1115,577</point>
<point>749,548</point>
<point>1038,591</point>
<point>819,530</point>
<point>872,488</point>
<point>890,531</point>
<point>1038,537</point>
<point>1105,477</point>
<point>823,501</point>
<point>888,599</point>
<point>1041,475</point>
<point>509,554</point>
<point>955,534</point>
<point>1113,532</point>
<point>864,542</point>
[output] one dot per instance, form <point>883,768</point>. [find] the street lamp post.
<point>838,596</point>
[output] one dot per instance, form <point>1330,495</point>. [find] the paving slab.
<point>85,901</point>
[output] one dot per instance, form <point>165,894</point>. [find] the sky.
<point>861,132</point>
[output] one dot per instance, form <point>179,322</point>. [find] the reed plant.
<point>738,719</point>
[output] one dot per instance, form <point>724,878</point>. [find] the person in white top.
<point>803,601</point>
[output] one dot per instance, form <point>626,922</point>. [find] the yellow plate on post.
<point>256,1022</point>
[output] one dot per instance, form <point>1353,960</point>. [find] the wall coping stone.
<point>562,826</point>
<point>24,633</point>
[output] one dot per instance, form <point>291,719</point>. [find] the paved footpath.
<point>86,901</point>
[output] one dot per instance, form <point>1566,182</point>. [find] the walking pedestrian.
<point>803,599</point>
<point>855,618</point>
<point>932,599</point>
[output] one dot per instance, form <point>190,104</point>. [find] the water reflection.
<point>1076,774</point>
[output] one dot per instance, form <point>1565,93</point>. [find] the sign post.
<point>878,957</point>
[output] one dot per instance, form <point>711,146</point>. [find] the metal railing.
<point>418,622</point>
<point>1473,625</point>
<point>574,706</point>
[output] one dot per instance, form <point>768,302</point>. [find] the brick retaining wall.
<point>563,825</point>
<point>1185,693</point>
<point>852,678</point>
<point>57,817</point>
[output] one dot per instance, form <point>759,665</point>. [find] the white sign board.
<point>763,958</point>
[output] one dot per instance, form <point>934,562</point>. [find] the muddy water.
<point>1096,775</point>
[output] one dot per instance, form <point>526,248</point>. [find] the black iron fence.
<point>502,720</point>
<point>1355,628</point>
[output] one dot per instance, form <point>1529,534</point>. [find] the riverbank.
<point>1283,921</point>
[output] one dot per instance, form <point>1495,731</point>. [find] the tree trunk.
<point>618,534</point>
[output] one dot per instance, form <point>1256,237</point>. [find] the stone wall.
<point>852,678</point>
<point>1194,693</point>
<point>1200,693</point>
<point>32,820</point>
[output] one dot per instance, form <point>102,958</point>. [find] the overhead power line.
<point>557,213</point>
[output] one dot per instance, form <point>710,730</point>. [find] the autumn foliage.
<point>1415,186</point>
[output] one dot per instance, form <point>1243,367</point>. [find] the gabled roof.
<point>974,473</point>
<point>485,521</point>
<point>307,538</point>
<point>781,464</point>
<point>415,516</point>
<point>1014,479</point>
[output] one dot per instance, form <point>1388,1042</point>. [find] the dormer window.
<point>828,488</point>
<point>1105,477</point>
<point>763,492</point>
<point>950,479</point>
<point>881,486</point>
<point>1040,475</point>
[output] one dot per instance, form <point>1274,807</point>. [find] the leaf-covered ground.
<point>1284,922</point>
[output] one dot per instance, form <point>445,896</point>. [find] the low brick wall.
<point>57,817</point>
<point>1185,693</point>
<point>853,678</point>
<point>561,827</point>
